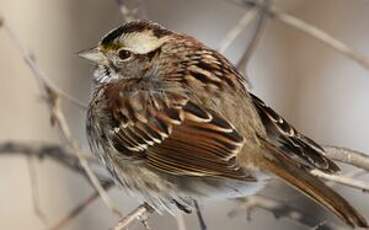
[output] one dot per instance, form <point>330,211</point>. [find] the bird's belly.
<point>160,190</point>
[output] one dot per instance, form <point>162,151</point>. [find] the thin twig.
<point>245,58</point>
<point>141,212</point>
<point>349,182</point>
<point>57,115</point>
<point>314,32</point>
<point>34,190</point>
<point>348,156</point>
<point>60,155</point>
<point>59,119</point>
<point>80,208</point>
<point>279,209</point>
<point>29,59</point>
<point>43,150</point>
<point>322,36</point>
<point>65,158</point>
<point>234,32</point>
<point>200,216</point>
<point>53,95</point>
<point>351,174</point>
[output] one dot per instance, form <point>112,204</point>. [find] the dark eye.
<point>124,54</point>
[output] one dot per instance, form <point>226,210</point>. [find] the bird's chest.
<point>97,125</point>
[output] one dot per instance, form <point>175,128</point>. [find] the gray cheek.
<point>131,70</point>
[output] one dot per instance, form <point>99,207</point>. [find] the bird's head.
<point>127,51</point>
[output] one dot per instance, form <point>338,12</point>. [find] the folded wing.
<point>177,136</point>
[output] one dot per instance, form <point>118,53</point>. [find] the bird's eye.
<point>124,54</point>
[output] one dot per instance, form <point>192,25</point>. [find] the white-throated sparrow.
<point>172,120</point>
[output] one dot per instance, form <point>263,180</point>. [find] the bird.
<point>173,121</point>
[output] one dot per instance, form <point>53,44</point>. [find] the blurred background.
<point>324,94</point>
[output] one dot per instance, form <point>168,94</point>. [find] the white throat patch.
<point>103,74</point>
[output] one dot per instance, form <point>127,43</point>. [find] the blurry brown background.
<point>321,92</point>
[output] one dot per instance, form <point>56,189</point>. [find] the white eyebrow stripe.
<point>142,42</point>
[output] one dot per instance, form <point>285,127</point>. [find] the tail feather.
<point>300,179</point>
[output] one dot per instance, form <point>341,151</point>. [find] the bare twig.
<point>312,31</point>
<point>79,162</point>
<point>351,157</point>
<point>142,212</point>
<point>79,208</point>
<point>279,209</point>
<point>58,118</point>
<point>233,33</point>
<point>43,150</point>
<point>34,190</point>
<point>29,59</point>
<point>53,98</point>
<point>65,158</point>
<point>200,216</point>
<point>245,58</point>
<point>60,155</point>
<point>322,36</point>
<point>348,181</point>
<point>348,156</point>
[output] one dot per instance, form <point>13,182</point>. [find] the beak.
<point>93,55</point>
